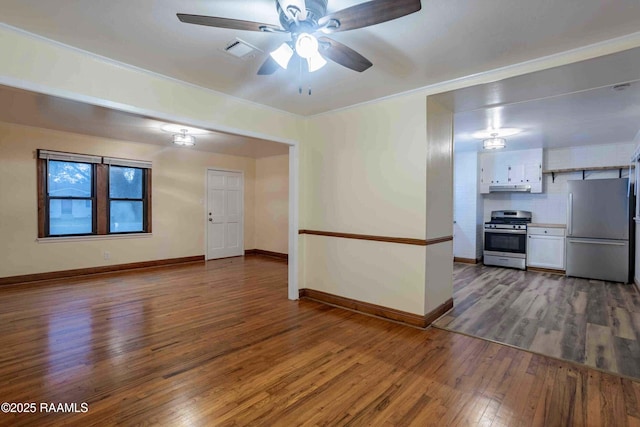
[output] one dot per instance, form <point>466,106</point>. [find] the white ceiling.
<point>571,105</point>
<point>592,117</point>
<point>49,112</point>
<point>445,40</point>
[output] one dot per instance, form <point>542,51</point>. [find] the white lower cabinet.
<point>545,247</point>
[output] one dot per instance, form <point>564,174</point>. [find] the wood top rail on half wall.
<point>402,240</point>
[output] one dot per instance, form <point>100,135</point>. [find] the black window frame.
<point>48,198</point>
<point>144,200</point>
<point>100,197</point>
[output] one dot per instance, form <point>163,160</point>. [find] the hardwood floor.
<point>585,321</point>
<point>219,344</point>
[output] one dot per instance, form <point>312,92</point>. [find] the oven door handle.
<point>503,231</point>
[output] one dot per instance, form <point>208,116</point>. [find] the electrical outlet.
<point>107,255</point>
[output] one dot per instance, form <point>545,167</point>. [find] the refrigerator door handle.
<point>596,242</point>
<point>569,214</point>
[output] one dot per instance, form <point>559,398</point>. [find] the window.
<point>90,195</point>
<point>126,199</point>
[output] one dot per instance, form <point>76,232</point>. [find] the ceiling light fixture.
<point>492,133</point>
<point>183,139</point>
<point>282,55</point>
<point>306,46</point>
<point>494,143</point>
<point>316,62</point>
<point>175,128</point>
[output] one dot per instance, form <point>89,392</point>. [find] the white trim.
<point>582,53</point>
<point>206,206</point>
<point>294,191</point>
<point>93,237</point>
<point>138,69</point>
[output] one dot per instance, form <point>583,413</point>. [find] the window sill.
<point>93,237</point>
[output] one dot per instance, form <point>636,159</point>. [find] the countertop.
<point>536,224</point>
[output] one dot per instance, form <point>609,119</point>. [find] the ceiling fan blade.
<point>298,4</point>
<point>343,55</point>
<point>269,66</point>
<point>234,24</point>
<point>370,13</point>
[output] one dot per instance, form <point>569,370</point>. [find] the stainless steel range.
<point>505,239</point>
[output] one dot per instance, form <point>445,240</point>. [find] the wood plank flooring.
<point>585,321</point>
<point>219,344</point>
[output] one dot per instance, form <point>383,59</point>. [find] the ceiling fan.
<point>303,18</point>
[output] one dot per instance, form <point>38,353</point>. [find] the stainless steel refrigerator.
<point>599,244</point>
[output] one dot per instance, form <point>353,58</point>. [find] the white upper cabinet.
<point>511,171</point>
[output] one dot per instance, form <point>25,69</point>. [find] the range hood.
<point>509,188</point>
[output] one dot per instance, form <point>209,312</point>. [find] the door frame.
<point>206,206</point>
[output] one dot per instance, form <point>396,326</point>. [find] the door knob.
<point>210,219</point>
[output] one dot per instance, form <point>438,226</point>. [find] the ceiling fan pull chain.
<point>300,77</point>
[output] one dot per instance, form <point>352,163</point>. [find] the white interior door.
<point>225,214</point>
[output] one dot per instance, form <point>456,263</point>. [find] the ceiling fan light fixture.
<point>316,62</point>
<point>282,55</point>
<point>306,46</point>
<point>494,143</point>
<point>183,139</point>
<point>303,18</point>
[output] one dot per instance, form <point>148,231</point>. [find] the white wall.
<point>364,172</point>
<point>272,204</point>
<point>551,205</point>
<point>465,202</point>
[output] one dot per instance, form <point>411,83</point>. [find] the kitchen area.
<point>559,209</point>
<point>557,221</point>
<point>552,272</point>
<point>594,243</point>
<point>546,213</point>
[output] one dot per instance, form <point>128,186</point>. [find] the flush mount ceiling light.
<point>492,133</point>
<point>183,139</point>
<point>173,128</point>
<point>494,142</point>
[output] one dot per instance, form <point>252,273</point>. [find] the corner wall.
<point>364,172</point>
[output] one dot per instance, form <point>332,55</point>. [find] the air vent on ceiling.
<point>241,49</point>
